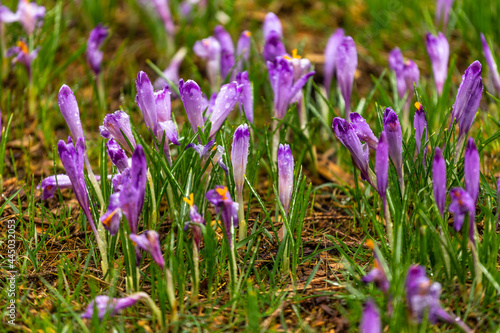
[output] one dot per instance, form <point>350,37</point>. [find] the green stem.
<point>196,277</point>
<point>241,217</point>
<point>154,213</point>
<point>388,222</point>
<point>276,141</point>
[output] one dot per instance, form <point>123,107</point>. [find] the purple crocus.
<point>130,199</point>
<point>493,73</point>
<point>422,296</point>
<point>331,51</point>
<point>396,63</point>
<point>196,220</point>
<point>285,89</point>
<point>239,156</point>
<point>377,274</point>
<point>243,49</point>
<point>171,73</point>
<point>227,50</point>
<point>145,99</point>
<point>468,98</point>
<point>72,159</point>
<point>21,54</point>
<point>114,126</point>
<point>49,185</point>
<point>363,130</point>
<point>285,175</point>
<point>471,169</point>
<point>225,101</point>
<point>345,66</point>
<point>105,304</point>
<point>382,166</point>
<point>411,75</point>
<point>439,180</point>
<point>370,320</point>
<point>439,53</point>
<point>392,129</point>
<point>194,102</point>
<point>246,96</point>
<point>273,47</point>
<point>346,133</point>
<point>420,123</point>
<point>272,23</point>
<point>210,50</point>
<point>224,205</point>
<point>149,241</point>
<point>443,8</point>
<point>117,155</point>
<point>461,204</point>
<point>29,14</point>
<point>206,150</point>
<point>94,43</point>
<point>71,113</point>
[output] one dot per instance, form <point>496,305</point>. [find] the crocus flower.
<point>468,98</point>
<point>206,150</point>
<point>196,220</point>
<point>225,101</point>
<point>331,51</point>
<point>210,50</point>
<point>29,14</point>
<point>273,47</point>
<point>50,184</point>
<point>284,87</point>
<point>370,321</point>
<point>382,165</point>
<point>130,199</point>
<point>377,274</point>
<point>363,130</point>
<point>495,77</point>
<point>471,169</point>
<point>461,204</point>
<point>439,53</point>
<point>72,159</point>
<point>194,102</point>
<point>420,123</point>
<point>272,23</point>
<point>221,199</point>
<point>94,43</point>
<point>246,96</point>
<point>149,241</point>
<point>285,175</point>
<point>439,180</point>
<point>239,156</point>
<point>346,133</point>
<point>105,304</point>
<point>117,155</point>
<point>171,73</point>
<point>71,113</point>
<point>392,129</point>
<point>227,50</point>
<point>443,8</point>
<point>411,75</point>
<point>162,9</point>
<point>22,55</point>
<point>422,296</point>
<point>345,66</point>
<point>145,99</point>
<point>112,127</point>
<point>396,63</point>
<point>243,49</point>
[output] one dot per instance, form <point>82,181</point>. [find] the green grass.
<point>57,258</point>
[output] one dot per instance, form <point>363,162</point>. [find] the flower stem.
<point>196,277</point>
<point>276,140</point>
<point>241,217</point>
<point>153,197</point>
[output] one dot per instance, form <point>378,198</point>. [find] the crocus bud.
<point>420,123</point>
<point>382,165</point>
<point>225,101</point>
<point>194,102</point>
<point>331,51</point>
<point>370,320</point>
<point>71,113</point>
<point>439,180</point>
<point>210,50</point>
<point>21,54</point>
<point>117,155</point>
<point>113,306</point>
<point>273,47</point>
<point>461,204</point>
<point>347,61</point>
<point>29,14</point>
<point>363,130</point>
<point>246,96</point>
<point>72,159</point>
<point>495,77</point>
<point>439,53</point>
<point>149,241</point>
<point>196,220</point>
<point>243,49</point>
<point>411,75</point>
<point>146,101</point>
<point>223,203</point>
<point>227,50</point>
<point>272,23</point>
<point>359,152</point>
<point>392,129</point>
<point>285,175</point>
<point>239,156</point>
<point>468,98</point>
<point>471,169</point>
<point>50,184</point>
<point>115,125</point>
<point>396,63</point>
<point>95,41</point>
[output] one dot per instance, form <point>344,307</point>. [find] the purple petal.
<point>347,61</point>
<point>117,155</point>
<point>370,321</point>
<point>363,130</point>
<point>392,129</point>
<point>396,63</point>
<point>382,164</point>
<point>194,103</point>
<point>227,98</point>
<point>149,241</point>
<point>114,125</point>
<point>471,169</point>
<point>285,175</point>
<point>145,99</point>
<point>495,77</point>
<point>246,96</point>
<point>439,180</point>
<point>69,110</point>
<point>239,156</point>
<point>272,23</point>
<point>49,185</point>
<point>94,43</point>
<point>439,53</point>
<point>273,47</point>
<point>331,52</point>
